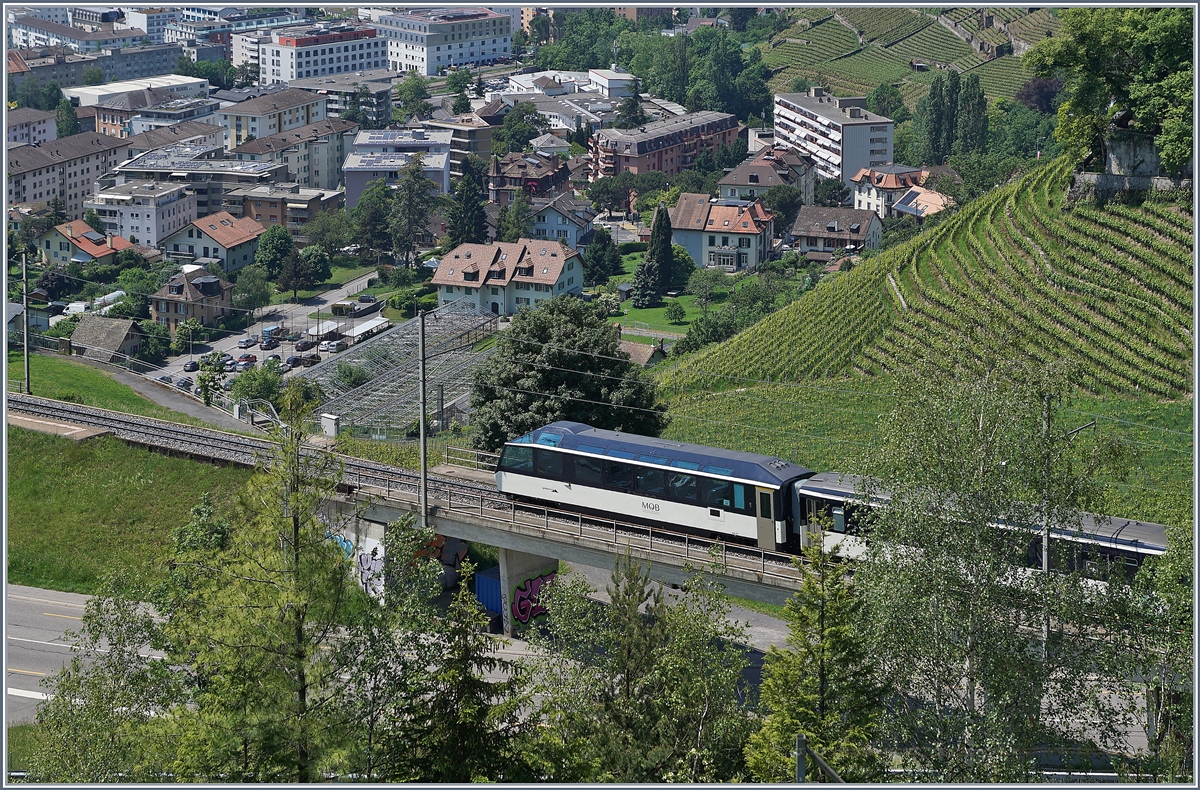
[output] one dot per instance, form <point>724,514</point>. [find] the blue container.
<point>487,589</point>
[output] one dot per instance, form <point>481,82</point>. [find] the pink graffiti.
<point>525,604</point>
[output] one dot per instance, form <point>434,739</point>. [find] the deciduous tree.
<point>329,230</point>
<point>65,121</point>
<point>252,289</point>
<point>274,247</point>
<point>93,221</point>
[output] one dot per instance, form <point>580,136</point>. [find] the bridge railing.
<point>472,459</point>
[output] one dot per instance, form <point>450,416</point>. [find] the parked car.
<point>248,342</point>
<point>165,379</point>
<point>324,345</point>
<point>231,365</point>
<point>199,392</point>
<point>284,368</point>
<point>226,356</point>
<point>248,358</point>
<point>293,361</point>
<point>273,358</point>
<point>308,360</point>
<point>242,367</point>
<point>185,383</point>
<point>191,366</point>
<point>269,344</point>
<point>228,385</point>
<point>352,249</point>
<point>367,298</point>
<point>305,345</point>
<point>337,345</point>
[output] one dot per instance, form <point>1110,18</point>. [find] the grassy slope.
<point>79,509</point>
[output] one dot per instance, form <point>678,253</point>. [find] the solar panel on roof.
<point>92,235</point>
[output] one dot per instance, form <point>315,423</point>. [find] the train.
<point>745,498</point>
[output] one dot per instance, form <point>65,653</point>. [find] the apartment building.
<point>318,50</point>
<point>231,241</point>
<point>469,134</point>
<point>203,133</point>
<point>145,212</point>
<point>221,29</point>
<point>669,145</point>
<point>176,85</point>
<point>95,19</point>
<point>878,188</point>
<point>734,235</point>
<point>504,277</point>
<point>344,90</point>
<point>64,66</point>
<point>268,115</point>
<point>113,115</point>
<point>27,125</point>
<point>382,153</point>
<point>430,40</point>
<point>244,47</point>
<point>171,112</point>
<point>313,154</point>
<point>768,168</point>
<point>31,32</point>
<point>59,14</point>
<point>290,205</point>
<point>152,20</point>
<point>537,175</point>
<point>64,168</point>
<point>839,134</point>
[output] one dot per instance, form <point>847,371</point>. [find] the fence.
<point>472,459</point>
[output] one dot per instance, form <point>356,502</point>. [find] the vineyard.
<point>1109,287</point>
<point>936,43</point>
<point>1032,28</point>
<point>1001,77</point>
<point>873,23</point>
<point>821,43</point>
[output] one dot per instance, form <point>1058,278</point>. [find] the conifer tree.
<point>517,225</point>
<point>659,251</point>
<point>646,284</point>
<point>466,222</point>
<point>971,134</point>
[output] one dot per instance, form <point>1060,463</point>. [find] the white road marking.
<point>12,692</point>
<point>45,600</point>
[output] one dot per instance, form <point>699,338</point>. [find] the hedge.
<point>632,246</point>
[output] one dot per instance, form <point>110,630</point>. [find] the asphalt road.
<point>36,644</point>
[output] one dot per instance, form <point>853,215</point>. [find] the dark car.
<point>305,345</point>
<point>248,342</point>
<point>269,344</point>
<point>165,379</point>
<point>56,308</point>
<point>308,360</point>
<point>273,358</point>
<point>185,383</point>
<point>228,384</point>
<point>247,358</point>
<point>367,298</point>
<point>191,366</point>
<point>292,361</point>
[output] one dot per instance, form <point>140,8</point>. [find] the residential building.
<point>113,115</point>
<point>144,212</point>
<point>152,20</point>
<point>96,19</point>
<point>197,51</point>
<point>318,50</point>
<point>202,133</point>
<point>29,31</point>
<point>272,114</point>
<point>290,205</point>
<point>76,242</point>
<point>635,15</point>
<point>568,113</point>
<point>770,167</point>
<point>383,153</point>
<point>469,134</point>
<point>230,240</point>
<point>550,83</point>
<point>244,47</point>
<point>534,174</point>
<point>60,14</point>
<point>107,339</point>
<point>171,112</point>
<point>549,144</point>
<point>64,66</point>
<point>176,85</point>
<point>87,118</point>
<point>878,188</point>
<point>231,96</point>
<point>643,354</point>
<point>920,203</point>
<point>839,134</point>
<point>65,168</point>
<point>221,28</point>
<point>563,218</point>
<point>343,90</point>
<point>614,83</point>
<point>27,125</point>
<point>819,231</point>
<point>504,277</point>
<point>758,139</point>
<point>195,294</point>
<point>199,167</point>
<point>735,235</point>
<point>669,146</point>
<point>430,40</point>
<point>314,154</point>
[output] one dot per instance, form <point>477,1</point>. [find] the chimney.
<point>109,240</point>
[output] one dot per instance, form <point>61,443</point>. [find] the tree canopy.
<point>466,222</point>
<point>274,247</point>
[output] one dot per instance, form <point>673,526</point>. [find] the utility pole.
<point>423,502</point>
<point>801,757</point>
<point>25,313</point>
<point>1046,520</point>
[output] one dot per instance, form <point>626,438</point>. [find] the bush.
<point>630,247</point>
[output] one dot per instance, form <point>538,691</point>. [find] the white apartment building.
<point>146,210</point>
<point>244,47</point>
<point>838,133</point>
<point>180,86</point>
<point>153,20</point>
<point>317,50</point>
<point>33,33</point>
<point>270,114</point>
<point>382,153</point>
<point>313,154</point>
<point>27,125</point>
<point>504,277</point>
<point>429,40</point>
<point>59,14</point>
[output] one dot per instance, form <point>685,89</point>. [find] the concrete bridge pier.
<point>522,577</point>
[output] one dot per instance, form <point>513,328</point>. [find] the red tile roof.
<point>228,231</point>
<point>526,260</point>
<point>75,230</point>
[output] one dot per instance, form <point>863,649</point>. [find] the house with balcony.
<point>770,167</point>
<point>196,294</point>
<point>563,218</point>
<point>537,175</point>
<point>314,154</point>
<point>290,205</point>
<point>669,145</point>
<point>818,231</point>
<point>734,235</point>
<point>144,211</point>
<point>76,242</point>
<point>839,133</point>
<point>230,240</point>
<point>504,277</point>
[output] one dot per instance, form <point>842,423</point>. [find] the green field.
<point>339,275</point>
<point>77,510</point>
<point>22,743</point>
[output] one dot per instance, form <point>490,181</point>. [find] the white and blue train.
<point>741,497</point>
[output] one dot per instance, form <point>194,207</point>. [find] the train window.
<point>715,493</point>
<point>651,482</point>
<point>620,476</point>
<point>628,456</point>
<point>653,459</point>
<point>686,465</point>
<point>549,463</point>
<point>718,470</point>
<point>550,439</point>
<point>764,504</point>
<point>526,439</point>
<point>742,500</point>
<point>517,459</point>
<point>589,471</point>
<point>590,448</point>
<point>681,486</point>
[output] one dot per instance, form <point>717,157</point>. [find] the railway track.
<point>448,495</point>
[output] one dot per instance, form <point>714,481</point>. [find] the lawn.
<point>60,378</point>
<point>655,318</point>
<point>340,275</point>
<point>77,510</point>
<point>22,743</point>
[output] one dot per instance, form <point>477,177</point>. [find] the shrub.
<point>630,247</point>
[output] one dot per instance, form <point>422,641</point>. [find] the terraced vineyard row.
<point>936,43</point>
<point>1110,287</point>
<point>871,65</point>
<point>917,23</point>
<point>822,43</point>
<point>1001,77</point>
<point>1034,27</point>
<point>876,22</point>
